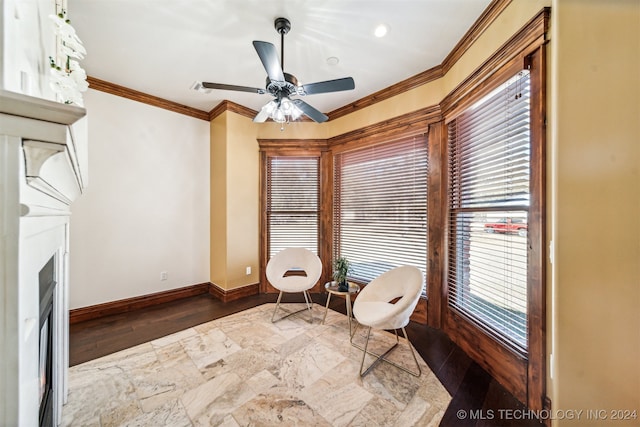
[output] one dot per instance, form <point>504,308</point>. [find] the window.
<point>292,203</point>
<point>489,201</point>
<point>380,207</point>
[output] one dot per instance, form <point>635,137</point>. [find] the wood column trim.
<point>226,295</point>
<point>263,251</point>
<point>326,218</point>
<point>536,237</point>
<point>421,312</point>
<point>436,217</point>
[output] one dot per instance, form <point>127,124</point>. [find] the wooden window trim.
<point>297,148</point>
<point>527,46</point>
<point>524,376</point>
<point>382,150</point>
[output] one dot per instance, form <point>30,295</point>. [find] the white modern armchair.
<point>308,269</point>
<point>374,308</point>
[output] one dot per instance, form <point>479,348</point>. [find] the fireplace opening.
<point>47,279</point>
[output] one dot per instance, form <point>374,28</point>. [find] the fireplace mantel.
<point>43,169</point>
<point>50,132</point>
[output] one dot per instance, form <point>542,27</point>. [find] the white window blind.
<point>380,207</point>
<point>489,174</point>
<point>292,203</point>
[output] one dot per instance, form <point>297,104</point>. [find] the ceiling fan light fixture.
<point>278,116</point>
<point>282,109</point>
<point>286,105</point>
<point>269,107</point>
<point>296,113</point>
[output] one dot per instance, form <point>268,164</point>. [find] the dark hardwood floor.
<point>477,399</point>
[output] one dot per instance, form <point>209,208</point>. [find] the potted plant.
<point>341,267</point>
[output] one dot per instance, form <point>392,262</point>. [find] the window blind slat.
<point>292,203</point>
<point>380,207</point>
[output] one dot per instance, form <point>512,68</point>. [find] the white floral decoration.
<point>68,80</point>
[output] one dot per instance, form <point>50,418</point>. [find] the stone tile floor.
<point>243,370</point>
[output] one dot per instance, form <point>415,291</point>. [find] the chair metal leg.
<point>277,305</point>
<point>382,357</point>
<point>413,353</point>
<point>309,307</point>
<point>364,351</point>
<point>309,302</point>
<point>353,334</point>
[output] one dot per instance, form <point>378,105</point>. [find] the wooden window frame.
<point>381,151</point>
<point>522,375</point>
<point>489,172</point>
<point>280,195</point>
<point>297,148</point>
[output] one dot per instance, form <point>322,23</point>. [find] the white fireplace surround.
<point>43,168</point>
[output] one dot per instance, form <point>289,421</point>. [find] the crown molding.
<point>489,15</point>
<point>125,92</point>
<point>389,92</point>
<point>227,105</point>
<point>218,109</point>
<point>485,20</point>
<point>514,51</point>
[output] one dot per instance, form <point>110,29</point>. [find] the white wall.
<point>146,209</point>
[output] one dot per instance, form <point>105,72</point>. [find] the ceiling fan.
<point>283,86</point>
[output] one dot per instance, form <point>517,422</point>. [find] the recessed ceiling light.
<point>332,60</point>
<point>381,30</point>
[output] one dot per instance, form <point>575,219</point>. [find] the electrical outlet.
<point>164,275</point>
<point>248,270</point>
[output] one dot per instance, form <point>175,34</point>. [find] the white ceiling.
<point>161,47</point>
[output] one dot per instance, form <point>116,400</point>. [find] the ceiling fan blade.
<point>208,85</point>
<point>338,85</point>
<point>269,57</point>
<point>310,112</point>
